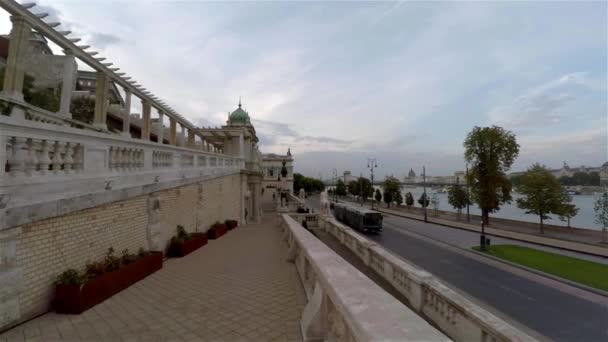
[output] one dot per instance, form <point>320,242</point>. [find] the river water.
<point>584,219</point>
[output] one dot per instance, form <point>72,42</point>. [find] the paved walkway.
<point>236,288</point>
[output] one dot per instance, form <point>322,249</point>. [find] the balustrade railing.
<point>49,161</point>
<point>343,304</point>
<point>455,315</point>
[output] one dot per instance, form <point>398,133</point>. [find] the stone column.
<point>173,132</point>
<point>161,127</point>
<point>146,123</point>
<point>182,136</point>
<point>126,119</point>
<point>14,70</point>
<point>191,139</point>
<point>241,146</point>
<point>101,95</point>
<point>67,84</point>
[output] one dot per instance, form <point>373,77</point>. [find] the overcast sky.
<point>339,82</point>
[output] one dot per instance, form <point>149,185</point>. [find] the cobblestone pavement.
<point>236,288</point>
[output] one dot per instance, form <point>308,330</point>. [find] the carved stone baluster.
<point>57,161</point>
<point>111,157</point>
<point>123,155</point>
<point>31,161</point>
<point>44,159</point>
<point>68,160</point>
<point>78,158</point>
<point>141,159</point>
<point>17,156</point>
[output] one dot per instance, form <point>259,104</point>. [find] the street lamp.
<point>424,201</point>
<point>361,187</point>
<point>372,164</point>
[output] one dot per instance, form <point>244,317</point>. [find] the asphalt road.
<point>552,313</point>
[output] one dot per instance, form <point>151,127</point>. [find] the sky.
<point>341,82</point>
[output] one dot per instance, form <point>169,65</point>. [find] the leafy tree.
<point>457,197</point>
<point>390,188</point>
<point>353,189</point>
<point>83,109</point>
<point>365,185</point>
<point>378,195</point>
<point>398,198</point>
<point>490,151</point>
<point>423,200</point>
<point>409,199</point>
<point>47,98</point>
<point>308,184</point>
<point>568,211</point>
<point>435,203</point>
<point>543,194</point>
<point>340,188</point>
<point>601,214</point>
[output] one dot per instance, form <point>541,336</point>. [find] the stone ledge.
<point>28,213</point>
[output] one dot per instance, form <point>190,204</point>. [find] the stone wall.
<point>32,255</point>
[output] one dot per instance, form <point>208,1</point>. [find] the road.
<point>538,305</point>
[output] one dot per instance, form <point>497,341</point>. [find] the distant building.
<point>272,164</point>
<point>348,177</point>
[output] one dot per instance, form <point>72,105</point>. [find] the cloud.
<point>540,105</point>
<point>103,40</point>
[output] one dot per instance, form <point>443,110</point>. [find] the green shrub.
<point>127,258</point>
<point>111,261</point>
<point>182,235</point>
<point>95,269</point>
<point>71,277</point>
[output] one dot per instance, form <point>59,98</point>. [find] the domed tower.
<point>239,117</point>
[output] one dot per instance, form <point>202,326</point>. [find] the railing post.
<point>126,119</point>
<point>147,123</point>
<point>14,71</point>
<point>191,139</point>
<point>101,94</point>
<point>182,136</point>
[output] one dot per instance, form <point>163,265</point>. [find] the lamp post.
<point>335,173</point>
<point>372,164</point>
<point>467,180</point>
<point>361,187</point>
<point>424,201</point>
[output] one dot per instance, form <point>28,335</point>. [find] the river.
<point>584,219</point>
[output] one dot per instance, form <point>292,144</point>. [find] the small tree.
<point>490,151</point>
<point>409,199</point>
<point>601,214</point>
<point>390,188</point>
<point>435,203</point>
<point>340,188</point>
<point>83,109</point>
<point>423,200</point>
<point>398,198</point>
<point>353,188</point>
<point>457,197</point>
<point>378,195</point>
<point>543,194</point>
<point>568,211</point>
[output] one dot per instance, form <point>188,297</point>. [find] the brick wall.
<point>46,248</point>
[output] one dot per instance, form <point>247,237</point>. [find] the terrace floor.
<point>236,288</point>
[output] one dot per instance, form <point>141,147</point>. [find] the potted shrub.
<point>217,229</point>
<point>184,243</point>
<point>76,292</point>
<point>231,224</point>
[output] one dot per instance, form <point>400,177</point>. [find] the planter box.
<point>74,299</point>
<point>217,231</point>
<point>231,224</point>
<point>180,249</point>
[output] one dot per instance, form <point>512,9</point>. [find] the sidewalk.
<point>236,288</point>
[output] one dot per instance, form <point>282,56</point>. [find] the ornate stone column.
<point>161,127</point>
<point>126,119</point>
<point>67,84</point>
<point>14,70</point>
<point>146,125</point>
<point>173,132</point>
<point>101,95</point>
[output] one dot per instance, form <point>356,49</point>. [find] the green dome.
<point>239,116</point>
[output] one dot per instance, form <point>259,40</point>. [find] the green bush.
<point>71,277</point>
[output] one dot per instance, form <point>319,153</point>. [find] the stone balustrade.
<point>455,315</point>
<point>53,168</point>
<point>343,304</point>
<point>312,220</point>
